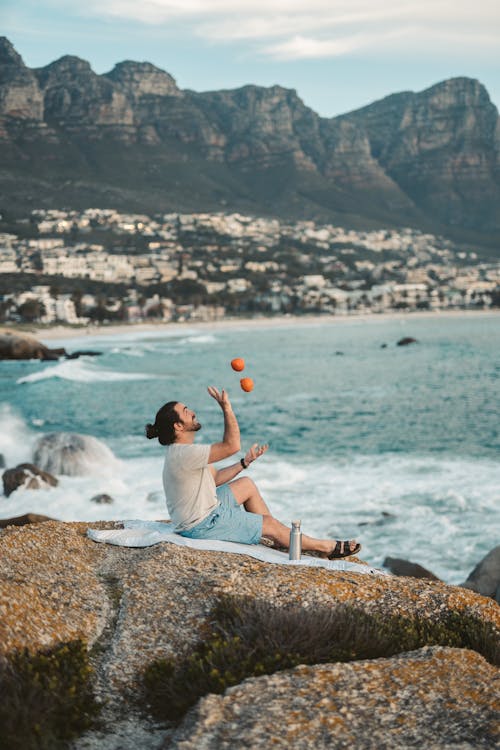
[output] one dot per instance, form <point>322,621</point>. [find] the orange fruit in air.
<point>238,364</point>
<point>246,384</point>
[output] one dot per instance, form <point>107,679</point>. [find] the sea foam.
<point>81,371</point>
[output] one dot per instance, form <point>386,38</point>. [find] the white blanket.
<point>147,533</point>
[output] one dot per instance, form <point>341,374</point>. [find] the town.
<point>101,266</point>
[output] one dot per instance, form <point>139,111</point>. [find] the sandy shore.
<point>70,332</point>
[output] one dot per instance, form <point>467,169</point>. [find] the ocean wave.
<point>81,371</point>
<point>199,339</point>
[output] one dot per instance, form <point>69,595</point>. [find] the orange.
<point>238,364</point>
<point>246,384</point>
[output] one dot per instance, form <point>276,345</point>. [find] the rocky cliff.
<point>132,609</point>
<point>132,139</point>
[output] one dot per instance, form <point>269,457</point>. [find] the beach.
<point>70,332</point>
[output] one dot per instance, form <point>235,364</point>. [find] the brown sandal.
<point>343,549</point>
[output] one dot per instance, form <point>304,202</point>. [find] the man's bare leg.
<point>246,493</point>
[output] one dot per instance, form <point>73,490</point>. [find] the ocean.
<point>395,446</point>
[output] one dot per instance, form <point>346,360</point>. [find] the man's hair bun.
<point>151,431</point>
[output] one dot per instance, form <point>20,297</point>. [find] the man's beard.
<point>193,427</point>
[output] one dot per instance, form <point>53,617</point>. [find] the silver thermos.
<point>295,541</point>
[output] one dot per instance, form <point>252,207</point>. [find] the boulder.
<point>414,700</point>
<point>133,607</point>
<point>406,341</point>
<point>485,578</point>
<point>2,461</point>
<point>15,345</point>
<point>23,520</point>
<point>18,345</point>
<point>102,499</point>
<point>72,454</point>
<point>406,568</point>
<point>28,476</point>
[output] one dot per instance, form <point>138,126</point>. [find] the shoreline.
<point>119,329</point>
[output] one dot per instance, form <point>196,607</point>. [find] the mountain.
<point>133,140</point>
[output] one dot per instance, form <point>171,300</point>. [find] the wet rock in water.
<point>400,567</point>
<point>28,476</point>
<point>2,461</point>
<point>385,517</point>
<point>23,520</point>
<point>15,345</point>
<point>71,454</point>
<point>406,341</point>
<point>485,578</point>
<point>339,354</point>
<point>102,499</point>
<point>75,355</point>
<point>383,346</point>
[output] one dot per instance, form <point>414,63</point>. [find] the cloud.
<point>299,29</point>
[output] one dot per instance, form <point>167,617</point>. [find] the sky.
<point>338,54</point>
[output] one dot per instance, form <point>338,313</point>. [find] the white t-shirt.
<point>189,485</point>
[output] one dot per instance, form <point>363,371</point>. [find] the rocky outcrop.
<point>416,699</point>
<point>400,567</point>
<point>15,345</point>
<point>72,454</point>
<point>28,476</point>
<point>485,578</point>
<point>440,147</point>
<point>18,345</point>
<point>131,138</point>
<point>20,95</point>
<point>134,606</point>
<point>23,520</point>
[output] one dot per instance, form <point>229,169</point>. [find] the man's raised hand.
<point>254,452</point>
<point>221,397</point>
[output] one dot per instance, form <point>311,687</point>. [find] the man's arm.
<point>231,440</point>
<point>222,476</point>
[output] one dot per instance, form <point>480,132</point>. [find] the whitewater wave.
<point>207,338</point>
<point>81,371</point>
<point>16,438</point>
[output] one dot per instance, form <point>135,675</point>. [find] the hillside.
<point>132,140</point>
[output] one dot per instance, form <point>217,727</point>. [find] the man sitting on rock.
<point>209,503</point>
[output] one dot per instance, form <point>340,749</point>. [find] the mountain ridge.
<point>131,138</point>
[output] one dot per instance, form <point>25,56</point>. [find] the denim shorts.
<point>228,522</point>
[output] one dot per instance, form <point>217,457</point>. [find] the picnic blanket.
<point>138,533</point>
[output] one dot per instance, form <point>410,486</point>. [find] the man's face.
<point>187,418</point>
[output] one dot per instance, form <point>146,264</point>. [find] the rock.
<point>83,353</point>
<point>72,454</point>
<point>28,476</point>
<point>415,699</point>
<point>102,499</point>
<point>2,461</point>
<point>15,345</point>
<point>139,605</point>
<point>406,341</point>
<point>380,521</point>
<point>485,578</point>
<point>23,520</point>
<point>20,96</point>
<point>383,346</point>
<point>406,568</point>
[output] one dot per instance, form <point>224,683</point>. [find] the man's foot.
<point>344,549</point>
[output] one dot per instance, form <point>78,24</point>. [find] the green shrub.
<point>249,637</point>
<point>46,697</point>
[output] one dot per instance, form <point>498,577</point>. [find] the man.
<point>209,503</point>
